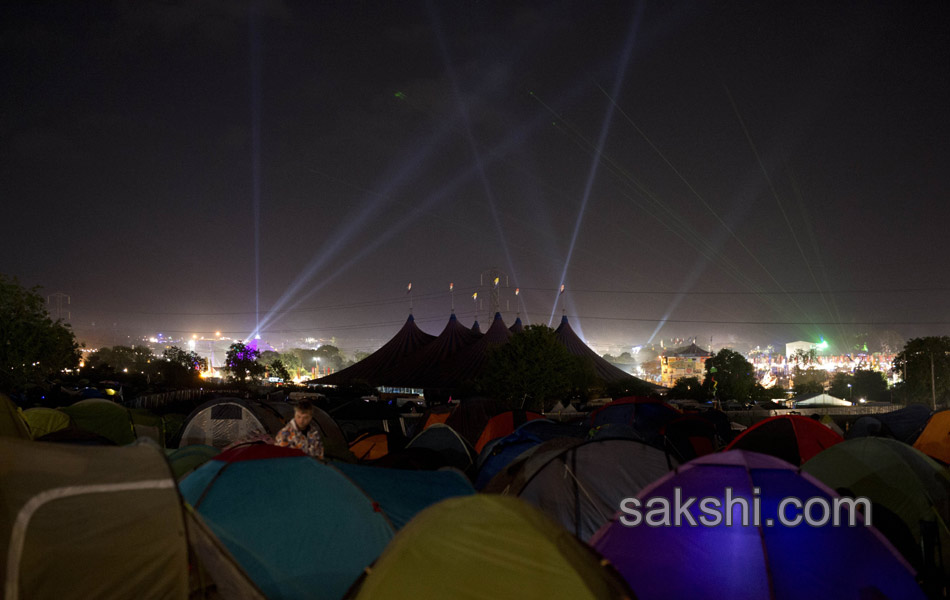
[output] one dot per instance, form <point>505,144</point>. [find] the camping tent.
<point>904,424</point>
<point>370,446</point>
<point>934,440</point>
<point>792,438</point>
<point>455,450</point>
<point>45,420</point>
<point>103,417</point>
<point>689,436</point>
<point>298,527</point>
<point>225,421</point>
<point>645,416</point>
<point>471,415</point>
<point>12,423</point>
<point>401,493</point>
<point>102,522</point>
<point>580,483</point>
<point>487,546</point>
<point>498,454</point>
<point>186,459</point>
<point>742,558</point>
<point>504,424</point>
<point>910,493</point>
<point>301,528</point>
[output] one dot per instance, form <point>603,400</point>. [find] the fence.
<point>162,399</point>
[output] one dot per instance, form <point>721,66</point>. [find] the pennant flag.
<point>451,286</point>
<point>496,282</point>
<point>409,287</point>
<point>517,291</point>
<point>562,289</point>
<point>475,296</point>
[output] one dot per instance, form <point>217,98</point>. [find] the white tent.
<point>819,400</point>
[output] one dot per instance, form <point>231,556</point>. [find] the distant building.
<point>792,347</point>
<point>683,362</point>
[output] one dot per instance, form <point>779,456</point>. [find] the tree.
<point>131,359</point>
<point>277,369</point>
<point>292,363</point>
<point>842,386</point>
<point>924,363</point>
<point>534,370</point>
<point>359,355</point>
<point>181,367</point>
<point>810,381</point>
<point>330,357</point>
<point>241,363</point>
<point>729,376</point>
<point>688,388</point>
<point>32,345</point>
<point>870,385</point>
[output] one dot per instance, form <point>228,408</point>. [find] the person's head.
<point>303,414</point>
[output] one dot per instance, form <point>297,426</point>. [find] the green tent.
<point>487,546</point>
<point>45,420</point>
<point>103,417</point>
<point>90,522</point>
<point>11,420</point>
<point>909,491</point>
<point>188,458</point>
<point>107,523</point>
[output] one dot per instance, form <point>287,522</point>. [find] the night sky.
<point>751,172</point>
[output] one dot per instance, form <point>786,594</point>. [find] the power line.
<point>436,295</point>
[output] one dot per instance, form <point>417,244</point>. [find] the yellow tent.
<point>11,420</point>
<point>934,440</point>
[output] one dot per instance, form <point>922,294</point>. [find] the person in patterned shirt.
<point>302,433</point>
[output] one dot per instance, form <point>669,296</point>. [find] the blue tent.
<point>745,560</point>
<point>402,493</point>
<point>498,454</point>
<point>304,529</point>
<point>298,527</point>
<point>904,424</point>
<point>645,415</point>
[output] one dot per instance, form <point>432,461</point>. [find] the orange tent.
<point>504,424</point>
<point>370,446</point>
<point>934,440</point>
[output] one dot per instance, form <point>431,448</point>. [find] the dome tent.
<point>900,481</point>
<point>12,423</point>
<point>792,438</point>
<point>580,483</point>
<point>454,449</point>
<point>45,420</point>
<point>904,424</point>
<point>102,522</point>
<point>498,454</point>
<point>301,528</point>
<point>224,421</point>
<point>645,416</point>
<point>749,560</point>
<point>487,546</point>
<point>504,424</point>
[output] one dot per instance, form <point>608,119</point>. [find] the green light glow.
<point>400,95</point>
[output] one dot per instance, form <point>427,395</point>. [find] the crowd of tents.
<point>470,500</point>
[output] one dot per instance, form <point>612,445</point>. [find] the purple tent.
<point>748,561</point>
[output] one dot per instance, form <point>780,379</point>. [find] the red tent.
<point>792,438</point>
